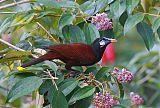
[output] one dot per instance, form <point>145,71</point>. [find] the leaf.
<point>49,3</point>
<point>68,4</point>
<point>4,26</point>
<point>47,87</point>
<point>91,69</point>
<point>123,18</point>
<point>102,72</point>
<point>100,4</point>
<point>88,7</point>
<point>66,19</point>
<point>66,33</point>
<point>59,100</point>
<point>131,4</point>
<point>91,33</point>
<point>82,93</point>
<point>119,86</point>
<point>117,8</point>
<point>76,34</point>
<point>68,85</point>
<point>158,32</point>
<point>121,91</point>
<point>156,24</point>
<point>117,29</point>
<point>22,18</point>
<point>13,54</point>
<point>73,34</point>
<point>146,33</point>
<point>24,87</point>
<point>132,21</point>
<point>51,65</point>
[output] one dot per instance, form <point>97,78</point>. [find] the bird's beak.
<point>113,40</point>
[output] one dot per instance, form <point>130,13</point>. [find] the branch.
<point>8,12</point>
<point>14,4</point>
<point>10,45</point>
<point>46,31</point>
<point>2,1</point>
<point>156,15</point>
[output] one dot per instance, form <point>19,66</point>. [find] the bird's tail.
<point>47,56</point>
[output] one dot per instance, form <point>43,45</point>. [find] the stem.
<point>2,1</point>
<point>14,4</point>
<point>8,12</point>
<point>53,78</point>
<point>46,31</point>
<point>152,14</point>
<point>10,45</point>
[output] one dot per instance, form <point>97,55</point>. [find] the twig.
<point>2,1</point>
<point>46,31</point>
<point>152,14</point>
<point>53,78</point>
<point>10,45</point>
<point>14,4</point>
<point>8,12</point>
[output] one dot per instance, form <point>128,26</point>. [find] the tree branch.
<point>2,1</point>
<point>10,45</point>
<point>46,31</point>
<point>13,4</point>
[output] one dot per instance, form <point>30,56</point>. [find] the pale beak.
<point>113,40</point>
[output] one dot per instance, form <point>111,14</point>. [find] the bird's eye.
<point>102,43</point>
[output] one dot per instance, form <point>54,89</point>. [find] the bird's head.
<point>100,44</point>
<point>103,42</point>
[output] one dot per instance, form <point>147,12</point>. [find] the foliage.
<point>30,24</point>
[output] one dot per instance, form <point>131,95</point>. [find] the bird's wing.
<point>74,51</point>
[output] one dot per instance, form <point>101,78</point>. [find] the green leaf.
<point>47,87</point>
<point>22,18</point>
<point>51,65</point>
<point>121,91</point>
<point>119,86</point>
<point>156,24</point>
<point>82,93</point>
<point>68,85</point>
<point>117,8</point>
<point>49,3</point>
<point>146,33</point>
<point>117,28</point>
<point>66,19</point>
<point>4,26</point>
<point>123,18</point>
<point>59,100</point>
<point>126,102</point>
<point>158,32</point>
<point>102,72</point>
<point>68,4</point>
<point>66,33</point>
<point>24,87</point>
<point>88,7</point>
<point>131,4</point>
<point>13,54</point>
<point>76,34</point>
<point>132,21</point>
<point>91,33</point>
<point>100,4</point>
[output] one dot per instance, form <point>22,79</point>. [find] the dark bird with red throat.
<point>75,54</point>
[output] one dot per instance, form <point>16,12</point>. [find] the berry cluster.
<point>135,99</point>
<point>123,75</point>
<point>101,21</point>
<point>104,100</point>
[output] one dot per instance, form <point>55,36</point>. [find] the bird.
<point>74,54</point>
